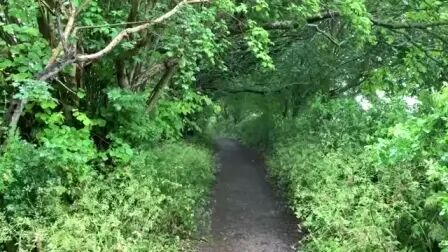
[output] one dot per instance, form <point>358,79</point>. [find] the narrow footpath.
<point>247,215</point>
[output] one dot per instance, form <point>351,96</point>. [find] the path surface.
<point>247,215</point>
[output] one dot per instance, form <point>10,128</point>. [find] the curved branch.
<point>328,36</point>
<point>54,68</point>
<point>126,32</point>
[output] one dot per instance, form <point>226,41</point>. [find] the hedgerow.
<point>366,180</point>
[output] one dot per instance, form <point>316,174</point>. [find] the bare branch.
<point>328,36</point>
<point>113,25</point>
<point>126,32</point>
<point>65,86</point>
<point>56,66</point>
<point>64,38</point>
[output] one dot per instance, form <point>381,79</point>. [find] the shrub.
<point>149,202</point>
<point>359,179</point>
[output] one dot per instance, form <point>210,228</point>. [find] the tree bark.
<point>161,85</point>
<point>120,66</point>
<point>121,74</point>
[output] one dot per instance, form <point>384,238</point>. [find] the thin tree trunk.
<point>121,74</point>
<point>161,85</point>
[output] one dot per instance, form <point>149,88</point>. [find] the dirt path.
<point>247,215</point>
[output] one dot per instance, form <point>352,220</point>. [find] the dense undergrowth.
<point>97,154</point>
<point>372,179</point>
<point>150,201</point>
<point>366,180</point>
<point>140,189</point>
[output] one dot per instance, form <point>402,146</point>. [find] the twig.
<point>328,36</point>
<point>64,39</point>
<point>65,86</point>
<point>421,48</point>
<point>113,25</point>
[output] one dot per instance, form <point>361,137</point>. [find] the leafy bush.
<point>359,179</point>
<point>128,119</point>
<point>54,198</point>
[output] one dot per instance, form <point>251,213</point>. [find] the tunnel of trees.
<point>108,110</point>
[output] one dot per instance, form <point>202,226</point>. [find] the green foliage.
<point>359,179</point>
<point>147,202</point>
<point>128,119</point>
<point>82,180</point>
<point>358,16</point>
<point>371,179</point>
<point>247,117</point>
<point>308,8</point>
<point>29,50</point>
<point>259,42</point>
<point>90,168</point>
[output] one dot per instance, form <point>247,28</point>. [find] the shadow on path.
<point>247,215</point>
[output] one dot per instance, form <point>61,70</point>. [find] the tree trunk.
<point>121,74</point>
<point>158,89</point>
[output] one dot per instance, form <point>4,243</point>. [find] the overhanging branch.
<point>251,90</point>
<point>328,36</point>
<point>288,24</point>
<point>396,26</point>
<point>126,32</point>
<point>57,65</point>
